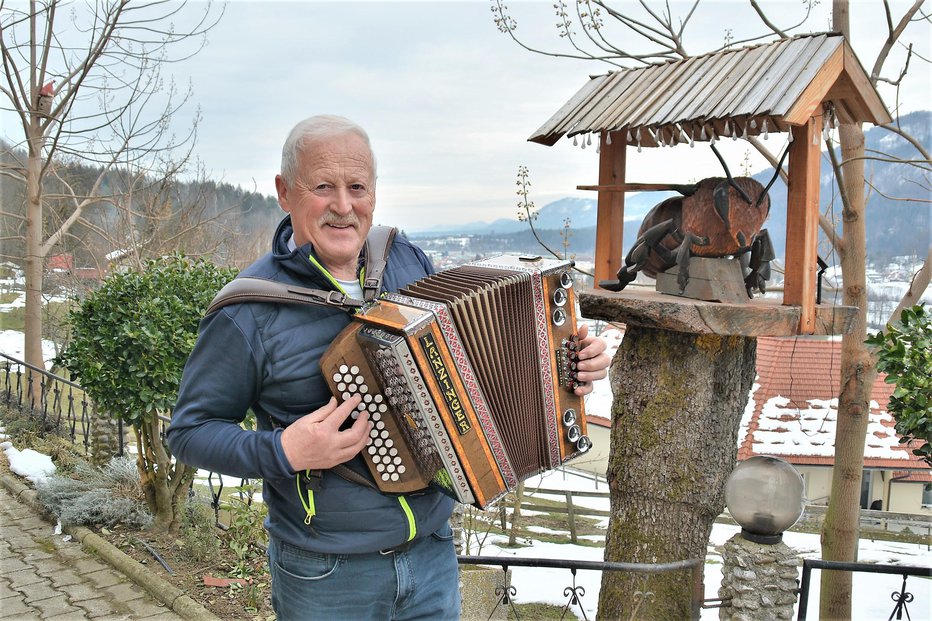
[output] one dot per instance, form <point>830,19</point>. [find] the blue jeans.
<point>419,583</point>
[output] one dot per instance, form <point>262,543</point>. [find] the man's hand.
<point>593,361</point>
<point>315,441</point>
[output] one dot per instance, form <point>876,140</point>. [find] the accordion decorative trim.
<point>469,380</point>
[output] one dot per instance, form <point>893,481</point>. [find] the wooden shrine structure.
<point>798,85</point>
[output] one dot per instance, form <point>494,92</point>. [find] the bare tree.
<point>650,33</point>
<point>86,84</point>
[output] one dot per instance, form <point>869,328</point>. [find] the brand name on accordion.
<point>442,375</point>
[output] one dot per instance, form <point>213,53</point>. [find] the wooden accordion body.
<point>468,378</point>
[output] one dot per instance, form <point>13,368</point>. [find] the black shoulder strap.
<point>248,289</point>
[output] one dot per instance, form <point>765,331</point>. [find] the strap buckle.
<point>335,298</point>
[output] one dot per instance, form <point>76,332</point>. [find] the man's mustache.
<point>334,220</point>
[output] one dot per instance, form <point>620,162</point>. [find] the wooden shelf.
<point>758,317</point>
<point>636,187</point>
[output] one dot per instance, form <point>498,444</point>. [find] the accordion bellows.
<point>468,378</point>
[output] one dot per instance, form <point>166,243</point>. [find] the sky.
<point>448,100</point>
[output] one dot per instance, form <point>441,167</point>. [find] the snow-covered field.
<point>871,591</point>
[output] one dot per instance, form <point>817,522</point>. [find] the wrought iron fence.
<point>505,593</point>
<point>59,403</point>
<point>900,598</point>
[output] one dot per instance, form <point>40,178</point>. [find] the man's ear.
<point>281,187</point>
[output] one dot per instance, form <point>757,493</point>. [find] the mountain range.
<point>895,226</point>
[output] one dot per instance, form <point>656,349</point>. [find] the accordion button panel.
<point>349,373</point>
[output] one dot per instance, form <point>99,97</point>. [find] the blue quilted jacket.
<point>266,357</point>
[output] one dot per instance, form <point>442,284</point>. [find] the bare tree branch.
<point>917,288</point>
<point>766,20</point>
<point>893,35</point>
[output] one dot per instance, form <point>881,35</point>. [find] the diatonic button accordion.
<point>468,378</point>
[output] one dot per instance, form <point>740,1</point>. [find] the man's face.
<point>332,200</point>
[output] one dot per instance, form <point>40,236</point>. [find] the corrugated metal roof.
<point>748,91</point>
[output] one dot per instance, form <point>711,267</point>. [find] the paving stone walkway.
<point>42,576</point>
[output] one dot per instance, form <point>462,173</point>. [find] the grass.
<point>542,612</point>
<point>53,313</point>
<point>556,521</point>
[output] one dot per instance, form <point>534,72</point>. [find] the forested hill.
<point>201,217</point>
<point>236,222</point>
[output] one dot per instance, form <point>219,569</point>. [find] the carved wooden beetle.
<point>717,217</point>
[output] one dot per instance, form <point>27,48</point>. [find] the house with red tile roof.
<point>792,413</point>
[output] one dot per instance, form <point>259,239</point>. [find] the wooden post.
<point>571,515</point>
<point>516,515</point>
<point>802,221</point>
<point>610,221</point>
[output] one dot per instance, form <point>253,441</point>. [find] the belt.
<point>404,547</point>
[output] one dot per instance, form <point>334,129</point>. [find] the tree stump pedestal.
<point>680,380</point>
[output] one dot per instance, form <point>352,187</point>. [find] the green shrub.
<point>904,353</point>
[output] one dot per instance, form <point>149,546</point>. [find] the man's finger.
<point>323,411</point>
<point>338,414</point>
<point>356,436</point>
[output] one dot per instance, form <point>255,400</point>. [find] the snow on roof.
<point>793,408</point>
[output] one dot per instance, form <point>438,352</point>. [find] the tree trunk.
<point>840,529</point>
<point>678,403</point>
<point>33,268</point>
<point>166,485</point>
<point>516,515</point>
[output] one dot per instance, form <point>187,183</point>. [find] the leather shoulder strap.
<point>248,289</point>
<point>378,247</point>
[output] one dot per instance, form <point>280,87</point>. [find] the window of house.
<point>927,495</point>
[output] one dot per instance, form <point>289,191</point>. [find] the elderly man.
<point>338,549</point>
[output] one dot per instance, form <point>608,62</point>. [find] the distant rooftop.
<point>793,409</point>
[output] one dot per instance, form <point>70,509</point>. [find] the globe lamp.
<point>765,496</point>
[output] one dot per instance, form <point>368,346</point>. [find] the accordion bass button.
<point>560,297</point>
<point>569,417</point>
<point>583,444</point>
<point>574,433</point>
<point>559,317</point>
<point>566,280</point>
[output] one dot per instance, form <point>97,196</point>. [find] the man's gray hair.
<point>314,128</point>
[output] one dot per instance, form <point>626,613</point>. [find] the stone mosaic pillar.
<point>761,580</point>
